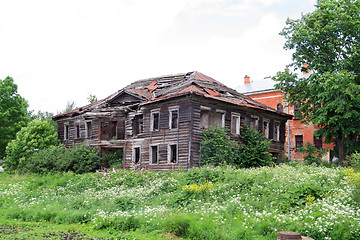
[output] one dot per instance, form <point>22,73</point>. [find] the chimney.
<point>308,70</point>
<point>246,79</point>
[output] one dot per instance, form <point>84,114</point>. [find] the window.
<point>209,118</point>
<point>138,124</point>
<point>172,153</point>
<point>155,120</point>
<point>136,155</point>
<point>66,132</point>
<point>235,124</point>
<point>280,107</point>
<point>77,130</point>
<point>318,142</point>
<point>277,132</point>
<point>154,157</point>
<point>88,129</point>
<point>113,130</point>
<point>298,141</point>
<point>173,118</point>
<point>297,110</point>
<point>254,123</point>
<point>266,128</point>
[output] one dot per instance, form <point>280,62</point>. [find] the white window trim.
<point>169,153</point>
<point>152,120</point>
<point>87,129</point>
<point>77,125</point>
<point>66,133</point>
<point>150,155</point>
<point>237,126</point>
<point>222,116</point>
<point>277,130</point>
<point>171,110</point>
<point>133,154</point>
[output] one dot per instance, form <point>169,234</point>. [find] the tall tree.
<point>327,42</point>
<point>13,112</point>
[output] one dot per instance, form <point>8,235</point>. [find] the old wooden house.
<point>158,122</point>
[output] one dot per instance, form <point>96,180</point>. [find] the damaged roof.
<point>165,87</point>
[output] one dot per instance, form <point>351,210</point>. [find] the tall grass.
<point>205,203</point>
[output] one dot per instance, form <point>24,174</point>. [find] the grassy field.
<point>205,203</point>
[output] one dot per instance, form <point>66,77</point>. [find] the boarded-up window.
<point>172,153</point>
<point>209,118</point>
<point>154,155</point>
<point>298,141</point>
<point>138,124</point>
<point>235,124</point>
<point>266,128</point>
<point>66,132</point>
<point>155,119</point>
<point>136,155</point>
<point>254,123</point>
<point>88,129</point>
<point>173,118</point>
<point>204,119</point>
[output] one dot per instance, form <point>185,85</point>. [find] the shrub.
<point>49,160</point>
<point>37,135</point>
<point>253,149</point>
<point>113,159</point>
<point>82,159</point>
<point>313,155</point>
<point>216,147</point>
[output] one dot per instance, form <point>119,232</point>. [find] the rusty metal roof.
<point>165,87</point>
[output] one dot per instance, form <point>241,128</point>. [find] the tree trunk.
<point>340,143</point>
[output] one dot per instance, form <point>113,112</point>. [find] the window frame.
<point>89,131</point>
<point>151,154</point>
<point>152,120</point>
<point>266,131</point>
<point>170,153</point>
<point>66,131</point>
<point>171,110</point>
<point>298,140</point>
<point>277,131</point>
<point>237,130</point>
<point>134,154</point>
<point>280,107</point>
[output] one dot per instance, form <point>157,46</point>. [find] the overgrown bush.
<point>312,154</point>
<point>36,136</point>
<point>79,159</point>
<point>253,149</point>
<point>216,147</point>
<point>113,159</point>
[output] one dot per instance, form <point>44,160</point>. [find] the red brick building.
<point>296,132</point>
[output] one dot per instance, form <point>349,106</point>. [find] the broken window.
<point>66,132</point>
<point>155,120</point>
<point>318,142</point>
<point>298,142</point>
<point>280,107</point>
<point>172,153</point>
<point>277,131</point>
<point>254,123</point>
<point>173,118</point>
<point>266,128</point>
<point>77,130</point>
<point>138,124</point>
<point>154,154</point>
<point>136,154</point>
<point>88,129</point>
<point>235,124</point>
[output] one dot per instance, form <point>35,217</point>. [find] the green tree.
<point>13,112</point>
<point>45,116</point>
<point>328,42</point>
<point>37,135</point>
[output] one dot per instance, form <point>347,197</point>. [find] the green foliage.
<point>82,159</point>
<point>253,149</point>
<point>216,147</point>
<point>45,116</point>
<point>92,98</point>
<point>13,113</point>
<point>113,159</point>
<point>328,41</point>
<point>313,155</point>
<point>36,136</point>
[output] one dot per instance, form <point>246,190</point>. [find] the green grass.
<point>205,203</point>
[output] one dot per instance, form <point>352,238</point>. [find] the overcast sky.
<point>64,50</point>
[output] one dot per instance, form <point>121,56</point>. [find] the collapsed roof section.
<point>158,89</point>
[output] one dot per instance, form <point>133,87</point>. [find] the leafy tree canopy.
<point>327,42</point>
<point>13,112</point>
<point>37,135</point>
